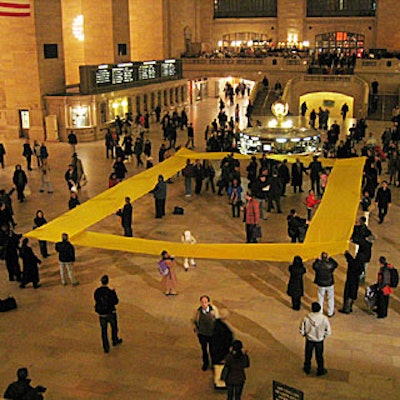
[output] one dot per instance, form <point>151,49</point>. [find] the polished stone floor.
<point>55,331</point>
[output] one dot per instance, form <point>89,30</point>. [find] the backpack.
<point>163,268</point>
<point>394,277</point>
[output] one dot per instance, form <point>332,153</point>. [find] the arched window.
<point>245,8</point>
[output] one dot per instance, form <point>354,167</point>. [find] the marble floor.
<point>55,331</point>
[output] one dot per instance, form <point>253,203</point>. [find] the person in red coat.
<point>311,202</point>
<point>251,217</point>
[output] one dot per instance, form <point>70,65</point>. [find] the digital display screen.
<point>95,78</point>
<point>168,69</point>
<point>147,72</point>
<point>267,147</point>
<point>122,75</point>
<point>103,76</point>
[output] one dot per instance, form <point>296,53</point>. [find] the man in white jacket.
<point>315,327</point>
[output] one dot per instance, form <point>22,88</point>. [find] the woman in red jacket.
<point>311,202</point>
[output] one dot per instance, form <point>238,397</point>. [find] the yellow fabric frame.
<point>329,231</point>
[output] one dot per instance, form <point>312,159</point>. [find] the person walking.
<point>251,217</point>
<point>160,196</point>
<point>11,256</point>
<point>295,287</point>
<point>22,389</point>
<point>138,150</point>
<point>2,154</point>
<point>27,153</point>
<point>166,267</point>
<point>315,169</point>
<point>39,221</point>
<point>78,168</point>
<point>70,178</point>
<point>188,238</point>
<point>384,288</point>
<point>324,267</point>
<point>73,141</point>
<point>235,197</point>
<point>204,324</point>
<point>383,200</point>
<point>190,136</point>
<point>45,175</point>
<point>105,301</point>
<point>315,327</point>
<point>20,181</point>
<point>126,217</point>
<point>236,362</point>
<point>354,270</point>
<point>30,270</point>
<point>188,173</point>
<point>66,257</point>
<point>198,172</point>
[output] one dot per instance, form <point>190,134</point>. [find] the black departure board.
<point>147,72</point>
<point>168,68</point>
<point>105,77</point>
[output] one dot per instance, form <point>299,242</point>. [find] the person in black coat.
<point>38,221</point>
<point>20,180</point>
<point>126,217</point>
<point>22,389</point>
<point>221,341</point>
<point>315,169</point>
<point>27,153</point>
<point>11,256</point>
<point>2,154</point>
<point>383,200</point>
<point>298,170</point>
<point>198,172</point>
<point>354,269</point>
<point>30,272</point>
<point>73,201</point>
<point>236,362</point>
<point>119,168</point>
<point>295,287</point>
<point>160,196</point>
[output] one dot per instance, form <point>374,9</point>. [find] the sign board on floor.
<point>281,391</point>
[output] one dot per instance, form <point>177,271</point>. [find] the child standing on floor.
<point>188,238</point>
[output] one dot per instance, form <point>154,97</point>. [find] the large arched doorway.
<point>328,100</point>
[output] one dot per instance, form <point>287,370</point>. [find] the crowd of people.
<point>260,190</point>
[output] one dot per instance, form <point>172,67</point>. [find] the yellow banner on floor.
<point>330,229</point>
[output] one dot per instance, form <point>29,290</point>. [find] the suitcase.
<point>218,383</point>
<point>8,304</point>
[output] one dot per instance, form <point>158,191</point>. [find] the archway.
<point>332,101</point>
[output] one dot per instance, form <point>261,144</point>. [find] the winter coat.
<point>236,364</point>
<point>295,286</point>
<point>324,271</point>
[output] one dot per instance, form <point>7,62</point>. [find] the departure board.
<point>147,72</point>
<point>104,77</point>
<point>168,68</point>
